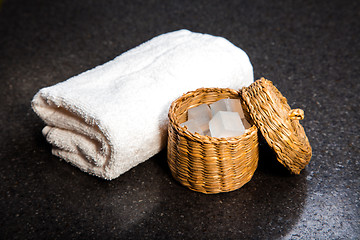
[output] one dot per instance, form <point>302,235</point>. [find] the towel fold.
<point>113,117</point>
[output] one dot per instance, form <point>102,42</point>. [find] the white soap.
<point>207,132</point>
<point>201,116</point>
<point>234,105</point>
<point>200,112</point>
<point>226,124</point>
<point>227,104</point>
<point>218,106</point>
<point>246,123</point>
<point>192,126</point>
<point>204,126</point>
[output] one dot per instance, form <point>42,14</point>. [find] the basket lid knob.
<point>296,114</point>
<point>278,123</point>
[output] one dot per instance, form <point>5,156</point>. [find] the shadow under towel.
<point>113,117</point>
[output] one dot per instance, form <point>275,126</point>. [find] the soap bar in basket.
<point>226,124</point>
<point>225,119</point>
<point>231,105</point>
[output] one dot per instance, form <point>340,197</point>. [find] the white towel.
<point>113,117</point>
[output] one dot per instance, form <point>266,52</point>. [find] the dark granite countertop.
<point>309,49</point>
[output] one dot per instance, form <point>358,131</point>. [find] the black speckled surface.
<point>309,49</point>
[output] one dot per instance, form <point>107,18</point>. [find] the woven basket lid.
<point>278,123</point>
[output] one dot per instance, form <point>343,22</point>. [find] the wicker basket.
<point>208,164</point>
<point>213,165</point>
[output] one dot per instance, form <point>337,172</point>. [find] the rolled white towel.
<point>113,117</point>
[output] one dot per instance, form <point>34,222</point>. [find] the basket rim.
<point>204,138</point>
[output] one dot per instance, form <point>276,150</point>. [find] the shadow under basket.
<point>208,164</point>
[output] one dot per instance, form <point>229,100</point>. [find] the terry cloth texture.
<point>113,117</point>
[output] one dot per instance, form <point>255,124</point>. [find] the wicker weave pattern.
<point>206,164</point>
<point>278,124</point>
